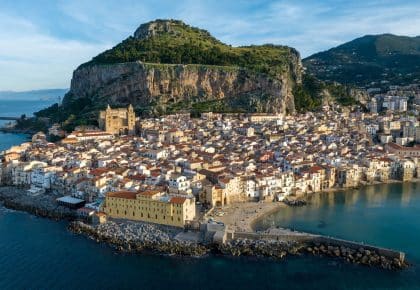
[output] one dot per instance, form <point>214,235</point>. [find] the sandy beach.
<point>242,216</point>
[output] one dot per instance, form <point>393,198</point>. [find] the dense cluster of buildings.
<point>381,103</point>
<point>394,98</point>
<point>159,174</point>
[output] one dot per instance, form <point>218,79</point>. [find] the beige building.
<point>256,118</point>
<point>403,151</point>
<point>150,206</point>
<point>212,194</point>
<point>348,176</point>
<point>118,121</point>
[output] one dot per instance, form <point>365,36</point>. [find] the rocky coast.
<point>281,248</point>
<point>43,205</point>
<point>138,237</point>
<point>14,130</point>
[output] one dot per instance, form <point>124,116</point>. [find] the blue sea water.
<point>16,108</point>
<point>37,253</point>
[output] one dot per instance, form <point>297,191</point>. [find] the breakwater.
<point>136,236</point>
<point>304,243</point>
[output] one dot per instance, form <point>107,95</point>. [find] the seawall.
<point>353,252</point>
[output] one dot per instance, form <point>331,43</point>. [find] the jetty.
<point>354,252</point>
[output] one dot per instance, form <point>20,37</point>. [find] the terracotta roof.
<point>149,192</point>
<point>138,177</point>
<point>98,171</point>
<point>403,148</point>
<point>177,200</point>
<point>123,194</point>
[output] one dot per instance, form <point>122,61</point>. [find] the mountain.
<point>385,58</point>
<point>168,66</point>
<point>47,94</point>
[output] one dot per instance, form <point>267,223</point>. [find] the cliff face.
<point>168,66</point>
<point>144,85</point>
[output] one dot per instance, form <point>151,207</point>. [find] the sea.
<point>16,108</point>
<point>38,253</point>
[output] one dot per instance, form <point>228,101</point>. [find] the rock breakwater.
<point>137,237</point>
<point>281,248</point>
<point>264,248</point>
<point>360,256</point>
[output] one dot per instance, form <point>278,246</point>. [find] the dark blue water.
<point>386,215</point>
<point>15,108</point>
<point>10,108</point>
<point>40,254</point>
<point>37,253</point>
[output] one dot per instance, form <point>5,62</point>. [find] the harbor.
<point>209,236</point>
<point>88,254</point>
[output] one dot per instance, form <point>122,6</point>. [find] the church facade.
<point>120,121</point>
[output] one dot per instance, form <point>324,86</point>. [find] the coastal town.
<point>174,169</point>
<point>178,184</point>
<point>210,145</point>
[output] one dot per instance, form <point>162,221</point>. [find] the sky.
<point>43,41</point>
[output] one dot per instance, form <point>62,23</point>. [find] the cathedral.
<point>121,121</point>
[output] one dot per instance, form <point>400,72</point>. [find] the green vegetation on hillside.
<point>308,95</point>
<point>189,45</point>
<point>170,42</point>
<point>75,113</point>
<point>163,43</point>
<point>386,59</point>
<point>31,124</point>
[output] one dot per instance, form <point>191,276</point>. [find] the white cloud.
<point>312,27</point>
<point>30,59</point>
<point>33,58</point>
<point>309,26</point>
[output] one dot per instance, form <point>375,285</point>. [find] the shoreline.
<point>251,224</point>
<point>136,237</point>
<point>242,216</point>
<point>365,184</point>
<point>41,205</point>
<point>17,131</point>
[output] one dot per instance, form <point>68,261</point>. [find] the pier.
<point>330,244</point>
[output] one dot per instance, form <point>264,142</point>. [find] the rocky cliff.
<point>165,85</point>
<point>168,66</point>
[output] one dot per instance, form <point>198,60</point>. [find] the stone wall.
<point>317,239</point>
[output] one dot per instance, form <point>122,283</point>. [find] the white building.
<point>179,183</point>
